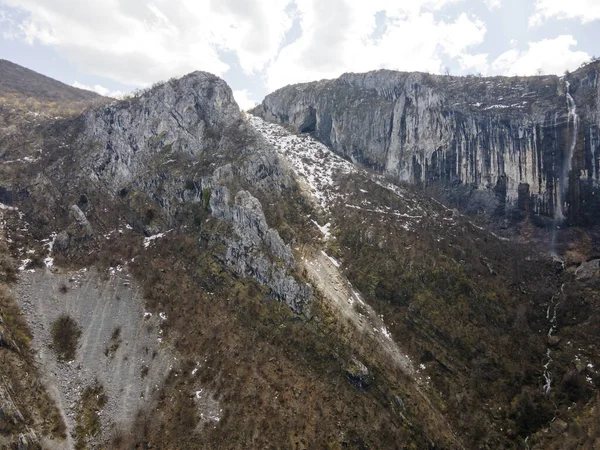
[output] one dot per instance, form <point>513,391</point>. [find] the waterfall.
<point>567,165</point>
<point>551,317</point>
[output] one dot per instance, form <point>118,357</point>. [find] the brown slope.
<point>15,79</point>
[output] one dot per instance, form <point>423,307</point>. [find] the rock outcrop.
<point>257,250</point>
<point>510,138</point>
<point>180,118</point>
<point>185,142</point>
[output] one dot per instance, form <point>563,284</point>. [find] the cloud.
<point>98,89</point>
<point>551,56</point>
<point>337,37</point>
<point>242,97</point>
<point>139,42</point>
<point>493,4</point>
<point>474,63</point>
<point>583,10</point>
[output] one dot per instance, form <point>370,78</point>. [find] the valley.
<point>306,274</point>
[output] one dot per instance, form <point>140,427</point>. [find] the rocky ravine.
<point>508,137</point>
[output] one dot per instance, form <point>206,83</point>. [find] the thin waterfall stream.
<point>552,319</point>
<point>567,166</point>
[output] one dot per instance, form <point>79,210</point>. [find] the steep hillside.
<point>28,414</point>
<point>177,190</point>
<point>528,146</point>
<point>27,83</point>
<point>195,278</point>
<point>496,332</point>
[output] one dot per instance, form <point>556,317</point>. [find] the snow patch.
<point>323,229</point>
<point>148,240</point>
<point>333,260</point>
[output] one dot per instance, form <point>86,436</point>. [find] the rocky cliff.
<point>250,288</point>
<point>524,143</point>
<point>179,146</point>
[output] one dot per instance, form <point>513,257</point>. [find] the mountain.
<point>25,82</point>
<point>501,145</point>
<point>178,274</point>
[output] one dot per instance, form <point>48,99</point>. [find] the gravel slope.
<point>99,303</point>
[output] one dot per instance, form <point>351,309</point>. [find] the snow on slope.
<point>318,168</point>
<point>312,161</point>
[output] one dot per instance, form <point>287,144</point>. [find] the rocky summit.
<point>385,260</point>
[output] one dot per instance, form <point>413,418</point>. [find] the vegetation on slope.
<point>468,307</point>
<point>65,334</point>
<point>24,402</point>
<point>473,310</point>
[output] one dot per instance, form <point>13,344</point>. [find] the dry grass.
<point>87,425</point>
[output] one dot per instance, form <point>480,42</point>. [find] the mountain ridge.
<point>19,79</point>
<point>505,136</point>
<point>308,302</point>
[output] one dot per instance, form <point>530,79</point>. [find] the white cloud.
<point>242,97</point>
<point>474,63</point>
<point>551,56</point>
<point>98,89</point>
<point>337,38</point>
<point>583,10</point>
<point>493,4</point>
<point>139,42</point>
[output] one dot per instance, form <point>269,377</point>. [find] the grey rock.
<point>185,141</point>
<point>81,221</point>
<point>27,441</point>
<point>501,143</point>
<point>588,270</point>
<point>258,250</point>
<point>553,341</point>
<point>185,117</point>
<point>9,413</point>
<point>62,242</point>
<point>559,426</point>
<point>358,374</point>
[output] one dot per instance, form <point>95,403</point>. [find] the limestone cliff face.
<point>183,118</point>
<point>185,143</point>
<point>508,137</point>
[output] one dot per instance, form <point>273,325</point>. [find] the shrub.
<point>8,271</point>
<point>206,198</point>
<point>65,335</point>
<point>92,401</point>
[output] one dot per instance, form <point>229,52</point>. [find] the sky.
<point>116,46</point>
